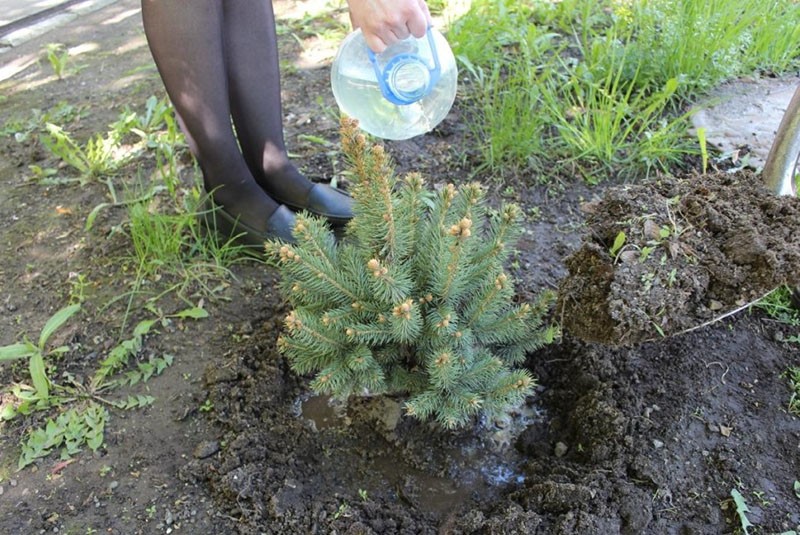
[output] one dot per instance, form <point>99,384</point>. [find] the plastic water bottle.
<point>400,93</point>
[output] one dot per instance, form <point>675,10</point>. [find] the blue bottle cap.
<point>407,77</point>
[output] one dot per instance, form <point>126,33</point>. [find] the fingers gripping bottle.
<point>400,93</point>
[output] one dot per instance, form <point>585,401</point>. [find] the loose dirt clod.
<point>669,255</point>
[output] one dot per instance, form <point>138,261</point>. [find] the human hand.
<point>385,22</point>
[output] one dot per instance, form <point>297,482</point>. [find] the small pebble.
<point>560,449</point>
<point>206,449</point>
<point>657,444</point>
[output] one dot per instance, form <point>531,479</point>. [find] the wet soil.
<point>648,438</point>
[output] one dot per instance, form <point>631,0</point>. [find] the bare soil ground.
<point>650,438</point>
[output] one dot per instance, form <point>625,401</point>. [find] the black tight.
<point>219,63</point>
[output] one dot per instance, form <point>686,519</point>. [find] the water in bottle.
<point>403,92</point>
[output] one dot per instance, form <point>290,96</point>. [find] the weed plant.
<point>58,57</point>
<point>512,114</point>
<point>794,381</point>
<point>81,403</point>
<point>97,159</point>
<point>607,124</point>
<point>170,245</point>
<point>23,127</point>
<point>778,304</point>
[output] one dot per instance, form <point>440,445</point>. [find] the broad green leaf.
<point>39,376</point>
<point>147,369</point>
<point>24,408</point>
<point>93,215</point>
<point>143,327</point>
<point>671,86</point>
<point>23,391</point>
<point>741,510</point>
<point>194,313</point>
<point>94,440</point>
<point>133,377</point>
<point>95,419</point>
<point>7,412</point>
<point>16,351</point>
<point>619,241</point>
<point>162,363</point>
<point>57,320</point>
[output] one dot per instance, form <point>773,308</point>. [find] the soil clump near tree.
<point>669,255</point>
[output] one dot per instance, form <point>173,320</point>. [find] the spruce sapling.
<point>413,300</point>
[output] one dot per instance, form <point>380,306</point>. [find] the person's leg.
<point>251,49</point>
<point>186,41</point>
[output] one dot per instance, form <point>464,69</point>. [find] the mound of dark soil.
<point>687,251</point>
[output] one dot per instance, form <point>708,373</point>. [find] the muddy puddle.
<point>476,466</point>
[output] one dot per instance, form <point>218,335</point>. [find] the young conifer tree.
<point>413,300</point>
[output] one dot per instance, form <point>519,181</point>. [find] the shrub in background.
<point>413,300</point>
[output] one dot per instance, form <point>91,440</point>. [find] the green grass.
<point>778,304</point>
<point>604,85</point>
<point>173,242</point>
<point>157,238</point>
<point>509,110</point>
<point>607,124</point>
<point>704,42</point>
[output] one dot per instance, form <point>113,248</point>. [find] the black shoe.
<point>279,226</point>
<point>323,200</point>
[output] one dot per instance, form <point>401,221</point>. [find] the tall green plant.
<point>413,301</point>
<point>58,57</point>
<point>705,42</point>
<point>774,42</point>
